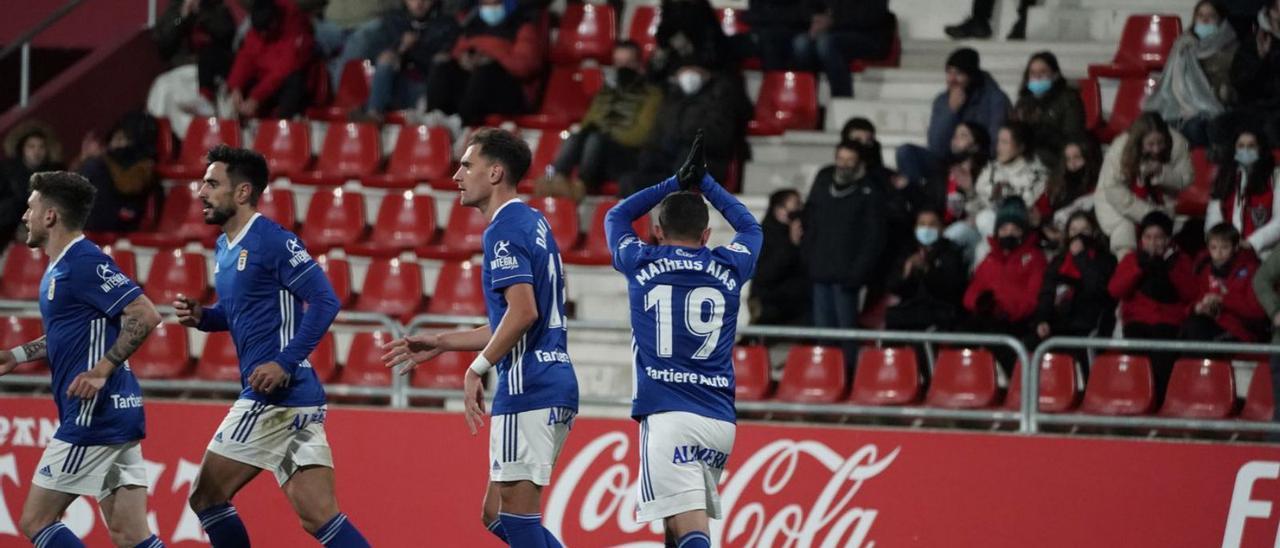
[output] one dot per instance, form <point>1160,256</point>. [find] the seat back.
<point>1195,198</point>
<point>1128,105</point>
<point>963,378</point>
<point>445,372</point>
<point>569,94</point>
<point>562,215</point>
<point>176,272</point>
<point>163,355</point>
<point>334,217</point>
<point>1259,402</point>
<point>323,360</point>
<point>350,150</point>
<point>886,376</point>
<point>125,260</point>
<point>277,204</point>
<point>1147,39</point>
<point>1119,384</point>
<point>218,360</point>
<point>204,134</point>
<point>1058,384</point>
<point>405,221</point>
<point>788,100</point>
<point>364,366</point>
<point>732,21</point>
<point>587,31</point>
<point>182,218</point>
<point>339,273</point>
<point>422,153</point>
<point>392,287</point>
<point>164,140</point>
<point>354,84</point>
<point>595,247</point>
<point>1091,97</point>
<point>545,153</point>
<point>23,268</point>
<point>1200,389</point>
<point>644,28</point>
<point>813,374</point>
<point>751,375</point>
<point>465,230</point>
<point>16,331</point>
<point>286,144</point>
<point>458,291</point>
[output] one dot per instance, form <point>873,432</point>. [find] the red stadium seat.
<point>16,331</point>
<point>1195,198</point>
<point>277,204</point>
<point>1128,106</point>
<point>173,272</point>
<point>587,31</point>
<point>181,221</point>
<point>445,372</point>
<point>1259,402</point>
<point>335,218</point>
<point>163,355</point>
<point>751,372</point>
<point>353,92</point>
<point>886,376</point>
<point>422,154</point>
<point>202,135</point>
<point>543,155</point>
<point>788,100</point>
<point>463,235</point>
<point>364,365</point>
<point>286,144</point>
<point>562,215</point>
<point>595,249</point>
<point>569,93</point>
<point>323,359</point>
<point>1091,97</point>
<point>125,260</point>
<point>813,374</point>
<point>1058,385</point>
<point>164,141</point>
<point>339,273</point>
<point>1200,389</point>
<point>218,360</point>
<point>392,287</point>
<point>1119,384</point>
<point>405,221</point>
<point>963,378</point>
<point>458,291</point>
<point>732,21</point>
<point>350,151</point>
<point>1144,46</point>
<point>891,59</point>
<point>644,28</point>
<point>23,268</point>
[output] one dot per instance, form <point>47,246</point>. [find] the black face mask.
<point>1074,179</point>
<point>627,76</point>
<point>1009,243</point>
<point>1085,239</point>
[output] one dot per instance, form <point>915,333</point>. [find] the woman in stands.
<point>1195,85</point>
<point>1049,106</point>
<point>1143,171</point>
<point>1014,172</point>
<point>968,157</point>
<point>1244,194</point>
<point>1070,186</point>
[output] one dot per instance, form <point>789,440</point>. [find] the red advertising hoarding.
<point>412,478</point>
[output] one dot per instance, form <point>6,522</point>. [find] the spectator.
<point>123,173</point>
<point>1070,187</point>
<point>702,100</point>
<point>863,131</point>
<point>1002,296</point>
<point>617,124</point>
<point>822,34</point>
<point>354,14</point>
<point>928,279</point>
<point>978,25</point>
<point>1244,194</point>
<point>498,53</point>
<point>690,33</point>
<point>269,76</point>
<point>1255,76</point>
<point>1226,308</point>
<point>1195,85</point>
<point>1143,171</point>
<point>1049,106</point>
<point>1074,301</point>
<point>780,288</point>
<point>1015,172</point>
<point>1266,287</point>
<point>30,147</point>
<point>958,194</point>
<point>404,45</point>
<point>972,95</point>
<point>195,37</point>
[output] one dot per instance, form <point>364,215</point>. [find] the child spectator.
<point>1003,295</point>
<point>1074,301</point>
<point>1226,308</point>
<point>928,279</point>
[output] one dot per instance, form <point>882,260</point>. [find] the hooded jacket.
<point>266,60</point>
<point>1012,278</point>
<point>984,104</point>
<point>1153,291</point>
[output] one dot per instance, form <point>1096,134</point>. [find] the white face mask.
<point>690,81</point>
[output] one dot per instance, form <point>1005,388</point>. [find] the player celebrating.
<point>94,319</point>
<point>684,312</point>
<point>537,394</point>
<point>263,275</point>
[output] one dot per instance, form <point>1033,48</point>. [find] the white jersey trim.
<point>62,253</point>
<point>232,242</point>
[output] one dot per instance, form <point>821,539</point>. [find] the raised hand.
<point>695,166</point>
<point>410,351</point>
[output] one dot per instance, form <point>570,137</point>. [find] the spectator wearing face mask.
<point>1070,187</point>
<point>1004,293</point>
<point>780,288</point>
<point>928,280</point>
<point>30,148</point>
<point>1049,107</point>
<point>1226,308</point>
<point>403,44</point>
<point>1195,84</point>
<point>1143,171</point>
<point>956,193</point>
<point>1074,301</point>
<point>1244,194</point>
<point>493,65</point>
<point>1014,172</point>
<point>268,77</point>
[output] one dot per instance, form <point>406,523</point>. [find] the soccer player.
<point>94,319</point>
<point>537,394</point>
<point>263,276</point>
<point>684,312</point>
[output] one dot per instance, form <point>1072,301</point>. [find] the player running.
<point>684,312</point>
<point>537,394</point>
<point>263,276</point>
<point>94,319</point>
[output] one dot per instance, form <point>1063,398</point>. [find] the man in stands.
<point>1003,294</point>
<point>496,57</point>
<point>404,44</point>
<point>824,35</point>
<point>269,76</point>
<point>1226,308</point>
<point>929,280</point>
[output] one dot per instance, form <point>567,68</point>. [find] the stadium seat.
<point>458,291</point>
<point>891,59</point>
<point>1195,198</point>
<point>562,214</point>
<point>886,376</point>
<point>569,93</point>
<point>218,360</point>
<point>392,287</point>
<point>277,204</point>
<point>1119,384</point>
<point>353,91</point>
<point>23,268</point>
<point>543,155</point>
<point>335,218</point>
<point>405,221</point>
<point>1091,98</point>
<point>1128,106</point>
<point>181,220</point>
<point>1200,389</point>
<point>963,378</point>
<point>173,272</point>
<point>445,372</point>
<point>1259,402</point>
<point>813,374</point>
<point>164,141</point>
<point>463,235</point>
<point>323,360</point>
<point>14,331</point>
<point>286,144</point>
<point>595,249</point>
<point>732,21</point>
<point>364,365</point>
<point>788,100</point>
<point>1058,385</point>
<point>125,260</point>
<point>422,154</point>
<point>751,372</point>
<point>644,28</point>
<point>202,135</point>
<point>1144,46</point>
<point>339,273</point>
<point>350,151</point>
<point>163,355</point>
<point>587,31</point>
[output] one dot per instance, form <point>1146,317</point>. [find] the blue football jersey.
<point>263,277</point>
<point>684,307</point>
<point>82,296</point>
<point>537,373</point>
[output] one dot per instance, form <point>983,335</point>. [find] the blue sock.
<point>696,539</point>
<point>151,542</point>
<point>223,525</point>
<point>56,535</point>
<point>524,530</point>
<point>339,532</point>
<point>495,527</point>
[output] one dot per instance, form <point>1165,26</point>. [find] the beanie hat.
<point>1156,218</point>
<point>965,60</point>
<point>1012,210</point>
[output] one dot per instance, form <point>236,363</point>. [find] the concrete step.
<point>909,116</point>
<point>996,55</point>
<point>1101,21</point>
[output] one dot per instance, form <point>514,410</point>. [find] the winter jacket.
<point>942,281</point>
<point>843,234</point>
<point>265,61</point>
<point>1257,217</point>
<point>985,104</point>
<point>1007,283</point>
<point>1020,177</point>
<point>209,26</point>
<point>514,43</point>
<point>1256,78</point>
<point>436,33</point>
<point>780,284</point>
<point>717,109</point>
<point>627,114</point>
<point>1115,202</point>
<point>1053,119</point>
<point>1074,298</point>
<point>1241,315</point>
<point>1153,291</point>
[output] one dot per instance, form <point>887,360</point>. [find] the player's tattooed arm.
<point>9,359</point>
<point>36,350</point>
<point>136,322</point>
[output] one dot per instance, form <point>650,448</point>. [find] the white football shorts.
<point>524,446</point>
<point>682,456</point>
<point>274,438</point>
<point>90,470</point>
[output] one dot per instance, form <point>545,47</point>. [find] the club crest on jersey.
<point>502,259</point>
<point>110,279</point>
<point>738,248</point>
<point>299,254</point>
<point>243,260</point>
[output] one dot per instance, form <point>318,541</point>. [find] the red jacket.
<point>1241,315</point>
<point>266,60</point>
<point>1137,306</point>
<point>521,56</point>
<point>1013,277</point>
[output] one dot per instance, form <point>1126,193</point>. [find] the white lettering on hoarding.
<point>1243,505</point>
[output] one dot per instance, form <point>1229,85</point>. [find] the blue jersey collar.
<point>501,207</point>
<point>243,230</point>
<point>54,262</point>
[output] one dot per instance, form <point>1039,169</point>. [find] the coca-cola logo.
<point>787,493</point>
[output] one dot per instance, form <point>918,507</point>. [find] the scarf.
<point>1184,91</point>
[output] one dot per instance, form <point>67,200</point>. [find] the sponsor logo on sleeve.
<point>298,253</point>
<point>628,241</point>
<point>738,248</point>
<point>502,259</point>
<point>110,279</point>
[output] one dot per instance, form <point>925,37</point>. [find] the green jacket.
<point>1264,286</point>
<point>625,114</point>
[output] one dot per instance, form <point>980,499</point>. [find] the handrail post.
<point>151,13</point>
<point>1031,386</point>
<point>24,85</point>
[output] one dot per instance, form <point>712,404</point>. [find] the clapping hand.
<point>695,166</point>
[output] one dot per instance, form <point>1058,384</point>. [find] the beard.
<point>218,215</point>
<point>35,240</point>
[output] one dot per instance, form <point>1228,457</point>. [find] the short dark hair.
<point>859,123</point>
<point>683,215</point>
<point>1224,231</point>
<point>858,148</point>
<point>70,193</point>
<point>507,149</point>
<point>243,166</point>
